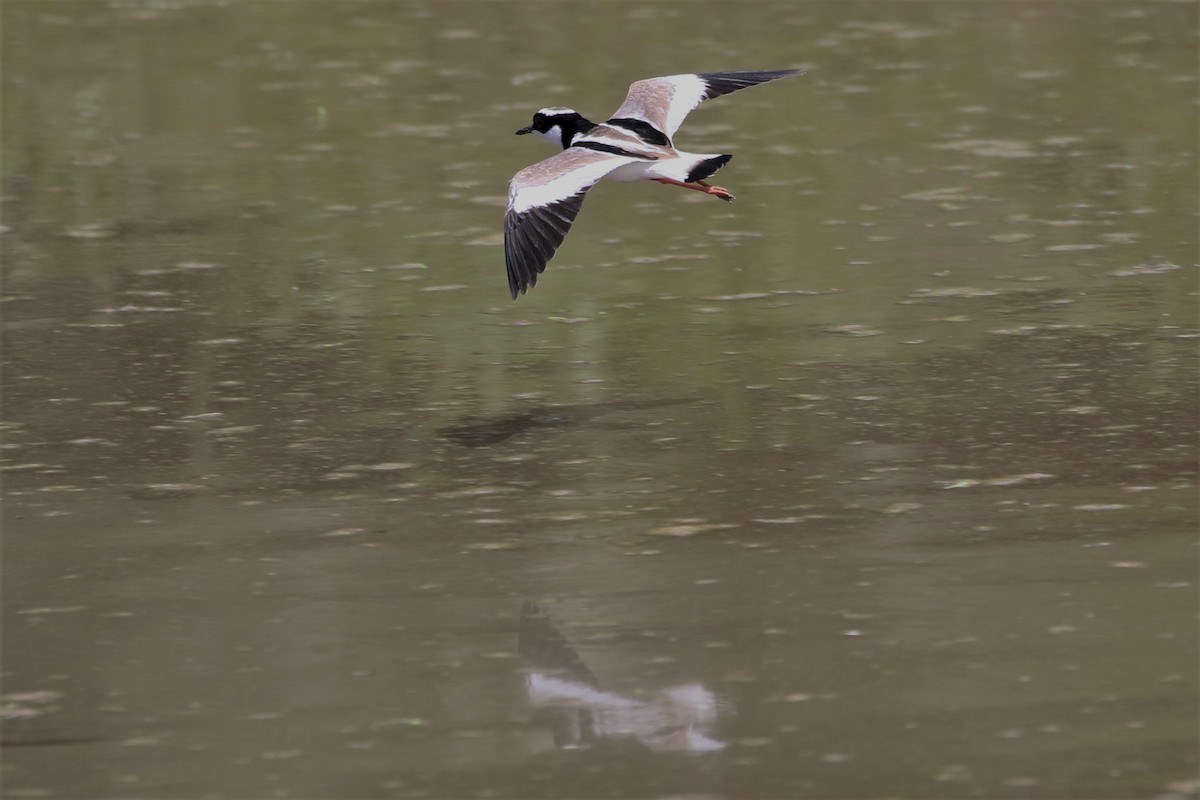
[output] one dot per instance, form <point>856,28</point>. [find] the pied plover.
<point>635,144</point>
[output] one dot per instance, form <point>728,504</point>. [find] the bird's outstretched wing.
<point>665,102</point>
<point>543,201</point>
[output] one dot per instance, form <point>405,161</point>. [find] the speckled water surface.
<point>879,482</point>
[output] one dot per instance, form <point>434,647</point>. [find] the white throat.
<point>554,135</point>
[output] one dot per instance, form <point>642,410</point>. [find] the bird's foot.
<point>698,186</point>
<point>716,191</point>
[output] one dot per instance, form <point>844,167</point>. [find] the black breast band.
<point>645,131</point>
<point>611,148</point>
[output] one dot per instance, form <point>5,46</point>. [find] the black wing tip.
<point>756,76</point>
<point>518,287</point>
<point>719,83</point>
<point>531,237</point>
<point>522,275</point>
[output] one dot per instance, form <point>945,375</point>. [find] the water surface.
<point>880,481</point>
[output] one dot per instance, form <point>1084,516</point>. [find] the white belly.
<point>675,168</point>
<point>641,171</point>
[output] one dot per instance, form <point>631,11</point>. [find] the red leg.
<point>698,186</point>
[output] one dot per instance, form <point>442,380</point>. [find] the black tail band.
<point>707,167</point>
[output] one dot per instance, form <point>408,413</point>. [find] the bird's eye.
<point>539,120</point>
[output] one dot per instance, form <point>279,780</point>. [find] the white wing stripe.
<point>523,197</point>
<point>687,93</point>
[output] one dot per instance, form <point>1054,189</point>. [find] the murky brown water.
<point>878,482</point>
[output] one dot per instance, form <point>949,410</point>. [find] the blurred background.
<point>879,481</point>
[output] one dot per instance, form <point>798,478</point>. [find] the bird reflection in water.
<point>483,431</point>
<point>582,714</point>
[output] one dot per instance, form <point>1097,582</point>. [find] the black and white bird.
<point>635,144</point>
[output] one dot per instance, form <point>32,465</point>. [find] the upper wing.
<point>543,201</point>
<point>665,102</point>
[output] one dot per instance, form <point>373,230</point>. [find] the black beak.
<point>525,130</point>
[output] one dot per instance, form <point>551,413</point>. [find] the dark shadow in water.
<point>484,431</point>
<point>47,742</point>
<point>581,714</point>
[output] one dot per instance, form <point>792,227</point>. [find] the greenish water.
<point>880,481</point>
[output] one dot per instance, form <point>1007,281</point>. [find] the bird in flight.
<point>635,144</point>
